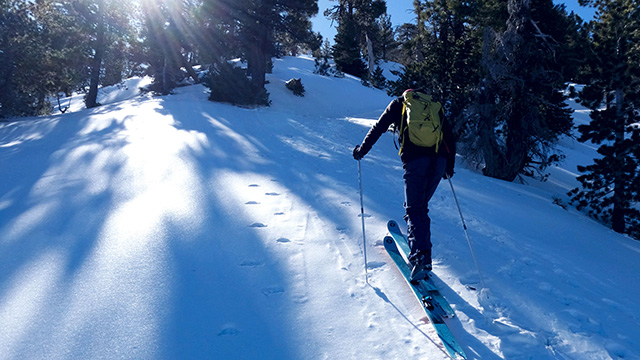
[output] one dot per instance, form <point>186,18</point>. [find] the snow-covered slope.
<point>177,228</point>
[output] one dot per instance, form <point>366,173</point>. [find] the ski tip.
<point>388,239</point>
<point>392,223</point>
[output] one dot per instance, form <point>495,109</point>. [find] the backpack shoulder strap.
<point>405,98</point>
<point>403,121</point>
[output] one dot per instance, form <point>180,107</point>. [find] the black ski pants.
<point>421,178</point>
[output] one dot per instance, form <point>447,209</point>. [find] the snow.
<point>177,228</point>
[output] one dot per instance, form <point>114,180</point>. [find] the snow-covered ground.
<point>177,228</point>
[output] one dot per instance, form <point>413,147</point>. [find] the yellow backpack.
<point>423,122</point>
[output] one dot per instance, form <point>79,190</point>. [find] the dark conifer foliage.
<point>611,185</point>
<point>520,110</point>
<point>19,38</point>
<point>50,47</point>
<point>346,51</point>
<point>360,34</point>
<point>170,40</point>
<point>406,36</point>
<point>257,30</point>
<point>388,44</point>
<point>107,23</point>
<point>42,52</point>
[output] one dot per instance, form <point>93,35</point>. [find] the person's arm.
<point>391,114</point>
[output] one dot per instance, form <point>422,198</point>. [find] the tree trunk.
<point>166,89</point>
<point>96,65</point>
<point>190,71</point>
<point>617,215</point>
<point>370,57</point>
<point>257,60</point>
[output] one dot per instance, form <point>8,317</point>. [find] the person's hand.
<point>357,154</point>
<point>448,172</point>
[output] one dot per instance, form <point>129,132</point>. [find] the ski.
<point>441,304</point>
<point>426,300</point>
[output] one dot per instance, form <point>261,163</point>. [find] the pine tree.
<point>18,49</point>
<point>520,109</point>
<point>252,29</point>
<point>268,18</point>
<point>346,50</point>
<point>388,45</point>
<point>358,34</point>
<point>368,14</point>
<point>66,48</point>
<point>219,40</point>
<point>43,52</point>
<point>611,185</point>
<point>169,38</point>
<point>406,35</point>
<point>105,21</point>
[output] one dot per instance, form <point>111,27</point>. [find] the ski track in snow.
<point>173,227</point>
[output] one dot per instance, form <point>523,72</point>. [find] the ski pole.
<point>464,226</point>
<point>364,240</point>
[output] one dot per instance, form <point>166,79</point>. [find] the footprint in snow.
<point>258,225</point>
<point>283,240</point>
<point>251,263</point>
<point>300,299</point>
<point>278,213</point>
<point>346,203</point>
<point>251,203</point>
<point>272,194</point>
<point>273,290</point>
<point>229,331</point>
<point>375,264</point>
<point>254,185</point>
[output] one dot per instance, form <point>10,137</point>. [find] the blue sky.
<point>401,11</point>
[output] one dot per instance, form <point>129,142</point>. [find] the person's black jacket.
<point>393,115</point>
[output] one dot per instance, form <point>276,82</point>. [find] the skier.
<point>424,167</point>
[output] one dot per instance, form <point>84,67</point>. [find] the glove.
<point>448,172</point>
<point>357,153</point>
